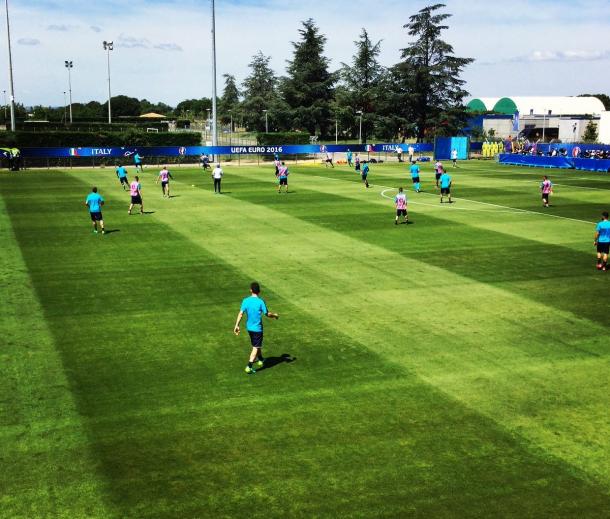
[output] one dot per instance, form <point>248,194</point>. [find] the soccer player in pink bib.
<point>400,201</point>
<point>546,188</point>
<point>164,176</point>
<point>438,171</point>
<point>135,190</point>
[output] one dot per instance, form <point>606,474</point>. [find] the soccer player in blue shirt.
<point>137,160</point>
<point>365,174</point>
<point>445,181</point>
<point>415,176</point>
<point>348,156</point>
<point>255,308</point>
<point>602,241</point>
<point>94,202</point>
<point>121,173</point>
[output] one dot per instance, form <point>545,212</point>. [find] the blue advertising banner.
<point>555,162</point>
<point>127,152</point>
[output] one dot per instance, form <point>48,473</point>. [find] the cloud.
<point>61,27</point>
<point>95,28</point>
<point>169,47</point>
<point>565,55</point>
<point>28,41</point>
<point>129,42</point>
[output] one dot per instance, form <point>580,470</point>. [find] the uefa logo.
<point>182,151</point>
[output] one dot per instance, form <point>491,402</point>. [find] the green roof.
<point>505,106</point>
<point>476,105</point>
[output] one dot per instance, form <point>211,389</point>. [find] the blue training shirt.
<point>137,159</point>
<point>121,172</point>
<point>255,307</point>
<point>94,201</point>
<point>603,228</point>
<point>414,170</point>
<point>445,180</point>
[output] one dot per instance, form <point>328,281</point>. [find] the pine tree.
<point>259,92</point>
<point>590,134</point>
<point>308,88</point>
<point>359,87</point>
<point>229,102</point>
<point>428,78</point>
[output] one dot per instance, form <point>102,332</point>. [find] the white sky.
<point>162,47</point>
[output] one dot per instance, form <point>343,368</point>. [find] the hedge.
<point>20,139</point>
<point>270,139</point>
<point>54,126</point>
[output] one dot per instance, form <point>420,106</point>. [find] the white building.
<point>546,118</point>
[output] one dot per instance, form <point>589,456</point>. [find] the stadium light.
<point>69,66</point>
<point>266,121</point>
<point>231,129</point>
<point>359,112</point>
<point>10,68</point>
<point>214,111</point>
<point>108,46</point>
<point>5,105</point>
<point>65,105</point>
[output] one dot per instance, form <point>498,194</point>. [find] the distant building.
<point>544,118</point>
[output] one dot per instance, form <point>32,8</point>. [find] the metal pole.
<point>543,123</point>
<point>231,130</point>
<point>65,103</point>
<point>109,92</point>
<point>214,114</point>
<point>10,68</point>
<point>5,106</point>
<point>70,89</point>
<point>108,46</point>
<point>336,131</point>
<point>360,134</point>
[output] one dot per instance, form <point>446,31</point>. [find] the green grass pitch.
<point>455,367</point>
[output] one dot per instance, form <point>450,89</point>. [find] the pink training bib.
<point>134,188</point>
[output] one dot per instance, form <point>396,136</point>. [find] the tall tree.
<point>259,92</point>
<point>429,76</point>
<point>359,87</point>
<point>308,88</point>
<point>229,102</point>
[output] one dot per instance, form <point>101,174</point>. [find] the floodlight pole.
<point>266,122</point>
<point>231,129</point>
<point>336,131</point>
<point>108,46</point>
<point>65,109</point>
<point>69,66</point>
<point>10,68</point>
<point>214,133</point>
<point>360,134</point>
<point>5,106</point>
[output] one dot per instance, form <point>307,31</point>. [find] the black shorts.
<point>284,181</point>
<point>96,217</point>
<point>545,197</point>
<point>124,180</point>
<point>445,190</point>
<point>329,160</point>
<point>139,165</point>
<point>437,176</point>
<point>603,248</point>
<point>164,183</point>
<point>256,339</point>
<point>401,212</point>
<point>357,167</point>
<point>415,180</point>
<point>136,199</point>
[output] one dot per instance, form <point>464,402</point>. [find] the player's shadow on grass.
<point>110,231</point>
<point>149,212</point>
<point>271,362</point>
<point>175,196</point>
